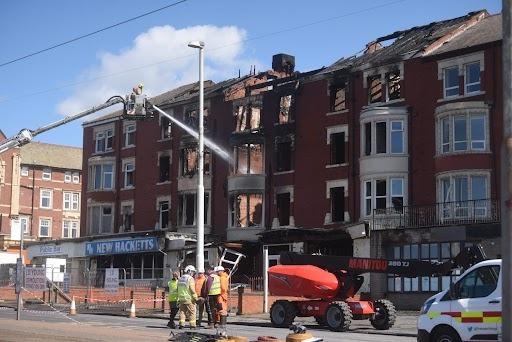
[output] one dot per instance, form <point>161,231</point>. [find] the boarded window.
<point>338,98</point>
<point>337,204</point>
<point>283,208</point>
<point>337,148</point>
<point>284,156</point>
<point>374,89</point>
<point>285,109</point>
<point>164,163</point>
<point>393,85</point>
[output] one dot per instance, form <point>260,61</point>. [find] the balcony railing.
<point>437,215</point>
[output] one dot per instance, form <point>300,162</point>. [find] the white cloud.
<point>223,58</point>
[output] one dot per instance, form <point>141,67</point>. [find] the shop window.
<point>284,156</point>
<point>246,210</point>
<point>338,97</point>
<point>283,208</point>
<point>163,214</point>
<point>374,89</point>
<point>337,195</point>
<point>285,105</point>
<point>104,140</point>
<point>248,159</point>
<point>337,144</point>
<point>164,164</point>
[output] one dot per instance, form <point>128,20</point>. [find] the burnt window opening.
<point>165,128</point>
<point>164,164</point>
<point>191,117</point>
<point>283,208</point>
<point>338,98</point>
<point>374,89</point>
<point>284,156</point>
<point>246,210</point>
<point>337,148</point>
<point>380,137</point>
<point>127,217</point>
<point>248,117</point>
<point>367,138</point>
<point>189,161</point>
<point>393,85</point>
<point>248,159</point>
<point>188,206</point>
<point>163,214</point>
<point>337,204</point>
<point>285,105</point>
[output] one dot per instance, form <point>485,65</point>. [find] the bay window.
<point>248,159</point>
<point>383,194</point>
<point>246,210</point>
<point>383,137</point>
<point>464,195</point>
<point>462,132</point>
<point>101,176</point>
<point>100,218</point>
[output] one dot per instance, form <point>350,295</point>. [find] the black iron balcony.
<point>437,215</point>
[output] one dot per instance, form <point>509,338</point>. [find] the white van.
<point>469,311</point>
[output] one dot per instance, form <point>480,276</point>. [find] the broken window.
<point>284,156</point>
<point>165,128</point>
<point>283,208</point>
<point>338,98</point>
<point>337,148</point>
<point>248,117</point>
<point>374,89</point>
<point>381,137</point>
<point>248,159</point>
<point>284,109</point>
<point>188,161</point>
<point>337,204</point>
<point>187,208</point>
<point>164,163</point>
<point>127,217</point>
<point>163,214</point>
<point>393,85</point>
<point>367,138</point>
<point>191,118</point>
<point>246,210</point>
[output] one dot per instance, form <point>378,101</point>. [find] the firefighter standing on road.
<point>201,301</point>
<point>173,299</point>
<point>187,297</point>
<point>213,288</point>
<point>223,297</point>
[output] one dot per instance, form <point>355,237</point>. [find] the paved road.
<point>55,326</point>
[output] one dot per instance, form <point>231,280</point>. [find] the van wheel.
<point>445,334</point>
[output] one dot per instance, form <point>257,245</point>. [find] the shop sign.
<point>121,246</point>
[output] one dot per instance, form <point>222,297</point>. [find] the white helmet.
<point>218,269</point>
<point>190,269</point>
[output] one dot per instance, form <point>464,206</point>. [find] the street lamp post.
<point>200,186</point>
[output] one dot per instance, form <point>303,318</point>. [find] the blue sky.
<point>75,77</point>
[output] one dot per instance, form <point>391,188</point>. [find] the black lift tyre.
<point>338,316</point>
<point>385,314</point>
<point>320,320</point>
<point>282,313</point>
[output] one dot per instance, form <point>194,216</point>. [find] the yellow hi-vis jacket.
<point>173,290</point>
<point>186,290</point>
<point>215,288</point>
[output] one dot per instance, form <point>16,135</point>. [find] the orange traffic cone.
<point>72,309</point>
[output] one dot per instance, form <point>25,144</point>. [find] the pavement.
<point>52,325</point>
<point>405,325</point>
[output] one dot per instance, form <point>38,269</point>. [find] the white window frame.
<point>101,207</point>
<point>128,167</point>
<point>47,174</point>
<point>103,176</point>
<point>389,132</point>
<point>103,135</point>
<point>460,62</point>
<point>24,171</point>
<point>162,131</point>
<point>67,177</point>
<point>160,212</point>
<point>72,225</point>
<point>445,88</point>
<point>72,203</point>
<point>45,219</point>
<point>372,198</point>
<point>129,129</point>
<point>401,131</point>
<point>126,204</point>
<point>76,177</point>
<point>25,219</point>
<point>49,196</point>
<point>466,84</point>
<point>368,199</point>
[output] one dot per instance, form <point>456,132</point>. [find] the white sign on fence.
<point>35,279</point>
<point>66,282</point>
<point>111,280</point>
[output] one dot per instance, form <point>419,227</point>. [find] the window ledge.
<point>127,147</point>
<point>380,104</point>
<point>331,166</point>
<point>284,123</point>
<point>283,172</point>
<point>128,188</point>
<point>343,111</point>
<point>163,183</point>
<point>459,97</point>
<point>99,153</point>
<point>333,223</point>
<point>459,153</point>
<point>164,140</point>
<point>379,155</point>
<point>101,190</point>
<point>246,228</point>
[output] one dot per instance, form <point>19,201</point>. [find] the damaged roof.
<point>407,43</point>
<point>488,30</point>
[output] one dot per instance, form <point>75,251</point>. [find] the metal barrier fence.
<point>104,289</point>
